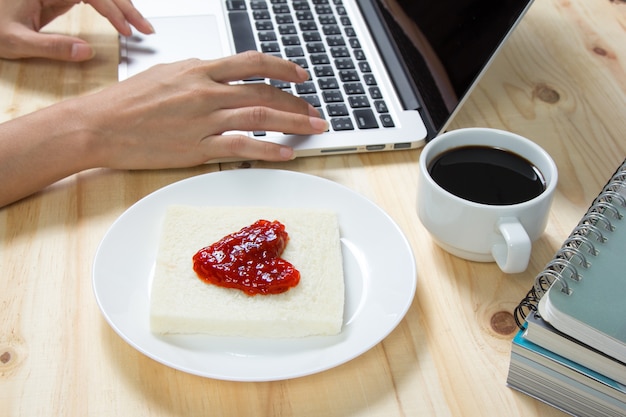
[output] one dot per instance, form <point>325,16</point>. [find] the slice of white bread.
<point>182,303</point>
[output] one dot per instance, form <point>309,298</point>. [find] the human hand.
<point>175,115</point>
<point>21,21</point>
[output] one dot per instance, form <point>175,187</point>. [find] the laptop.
<point>386,74</point>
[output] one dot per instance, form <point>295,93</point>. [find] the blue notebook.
<point>585,283</point>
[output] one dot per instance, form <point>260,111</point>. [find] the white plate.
<point>379,270</point>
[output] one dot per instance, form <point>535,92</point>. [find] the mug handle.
<point>512,253</point>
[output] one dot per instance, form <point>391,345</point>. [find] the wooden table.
<point>560,80</point>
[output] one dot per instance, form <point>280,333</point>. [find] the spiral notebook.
<point>582,290</point>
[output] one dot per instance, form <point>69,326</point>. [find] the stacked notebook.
<point>570,351</point>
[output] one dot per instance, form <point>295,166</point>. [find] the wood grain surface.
<point>560,80</point>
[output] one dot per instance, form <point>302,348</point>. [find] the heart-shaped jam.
<point>249,260</point>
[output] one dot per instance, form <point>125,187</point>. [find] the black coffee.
<point>487,175</point>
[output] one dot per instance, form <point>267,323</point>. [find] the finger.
<point>122,14</point>
<point>252,63</point>
<point>243,147</point>
<point>51,46</point>
<point>134,17</point>
<point>268,119</point>
<point>260,94</point>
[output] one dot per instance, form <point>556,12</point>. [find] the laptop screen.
<point>444,45</point>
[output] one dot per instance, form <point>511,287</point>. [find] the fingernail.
<point>318,124</point>
<point>82,52</point>
<point>287,153</point>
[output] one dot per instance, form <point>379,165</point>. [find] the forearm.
<point>41,148</point>
<point>170,116</point>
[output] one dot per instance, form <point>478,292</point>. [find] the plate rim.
<point>400,314</point>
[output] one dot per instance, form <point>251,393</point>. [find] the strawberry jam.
<point>249,260</point>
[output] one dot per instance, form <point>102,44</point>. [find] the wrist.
<point>70,137</point>
<point>79,133</point>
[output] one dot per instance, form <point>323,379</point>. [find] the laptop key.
<point>258,5</point>
<point>312,36</point>
<point>375,93</point>
<point>261,15</point>
<point>337,109</point>
<point>307,26</point>
<point>243,35</point>
<point>236,5</point>
<point>267,36</point>
<point>304,15</point>
<point>264,25</point>
<point>331,30</point>
<point>268,47</point>
<point>301,5</point>
<point>339,52</point>
<point>381,106</point>
<point>323,71</point>
<point>369,79</point>
<point>284,19</point>
<point>344,63</point>
<point>320,59</point>
<point>365,66</point>
<point>294,51</point>
<point>280,8</point>
<point>306,88</point>
<point>357,102</point>
<point>287,30</point>
<point>335,40</point>
<point>348,75</point>
<point>386,120</point>
<point>359,54</point>
<point>353,88</point>
<point>290,40</point>
<point>323,9</point>
<point>365,119</point>
<point>332,96</point>
<point>341,123</point>
<point>315,47</point>
<point>328,83</point>
<point>327,19</point>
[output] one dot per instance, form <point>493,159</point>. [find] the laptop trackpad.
<point>175,39</point>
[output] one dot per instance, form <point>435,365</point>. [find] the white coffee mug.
<point>484,232</point>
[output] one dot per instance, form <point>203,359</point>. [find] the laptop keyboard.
<point>317,35</point>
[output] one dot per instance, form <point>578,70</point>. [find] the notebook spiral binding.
<point>577,252</point>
